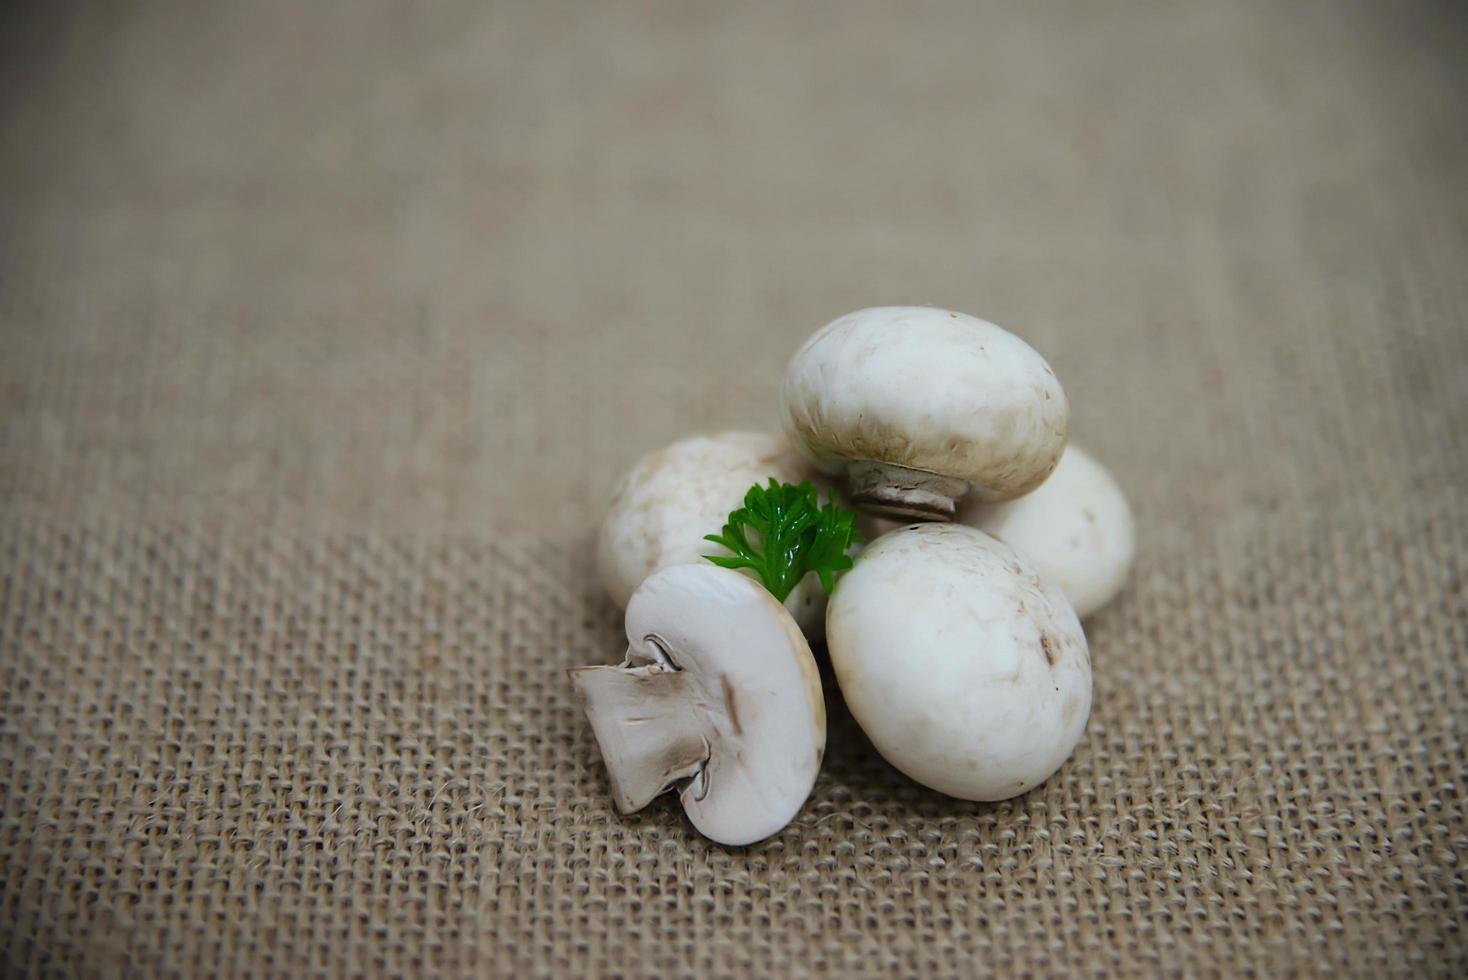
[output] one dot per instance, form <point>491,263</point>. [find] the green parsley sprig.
<point>783,532</point>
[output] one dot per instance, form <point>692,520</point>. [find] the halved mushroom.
<point>672,497</point>
<point>916,405</point>
<point>719,693</point>
<point>1076,530</point>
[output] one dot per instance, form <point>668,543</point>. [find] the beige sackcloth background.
<point>327,328</point>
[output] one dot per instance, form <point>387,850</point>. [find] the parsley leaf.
<point>783,532</point>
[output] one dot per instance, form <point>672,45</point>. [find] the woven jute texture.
<point>326,328</point>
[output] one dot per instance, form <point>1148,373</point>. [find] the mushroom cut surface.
<point>718,697</point>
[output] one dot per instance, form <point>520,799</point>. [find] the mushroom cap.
<point>671,498</point>
<point>930,390</point>
<point>1076,530</point>
<point>967,671</point>
<point>755,683</point>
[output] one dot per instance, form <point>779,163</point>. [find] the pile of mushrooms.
<point>955,638</point>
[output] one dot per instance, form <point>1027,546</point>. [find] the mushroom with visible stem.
<point>672,498</point>
<point>966,670</point>
<point>917,407</point>
<point>1076,530</point>
<point>718,695</point>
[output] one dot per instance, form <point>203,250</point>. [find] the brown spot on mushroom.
<point>1068,713</point>
<point>1046,649</point>
<point>730,706</point>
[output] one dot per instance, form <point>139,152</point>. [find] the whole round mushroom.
<point>1076,530</point>
<point>718,696</point>
<point>966,670</point>
<point>671,498</point>
<point>918,406</point>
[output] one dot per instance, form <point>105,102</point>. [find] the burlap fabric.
<point>327,327</point>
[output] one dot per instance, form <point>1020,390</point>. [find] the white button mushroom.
<point>966,671</point>
<point>718,690</point>
<point>671,498</point>
<point>915,404</point>
<point>1076,530</point>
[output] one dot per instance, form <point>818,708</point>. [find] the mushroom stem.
<point>897,491</point>
<point>644,720</point>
